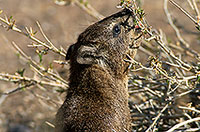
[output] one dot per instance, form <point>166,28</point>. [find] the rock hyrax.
<point>97,97</point>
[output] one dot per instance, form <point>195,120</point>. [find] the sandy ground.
<point>62,24</point>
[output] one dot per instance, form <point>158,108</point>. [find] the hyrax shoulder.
<point>97,97</point>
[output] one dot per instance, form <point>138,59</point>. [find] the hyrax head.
<point>107,42</point>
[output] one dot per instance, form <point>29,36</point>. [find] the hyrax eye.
<point>116,30</point>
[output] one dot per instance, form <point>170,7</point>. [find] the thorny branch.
<point>180,80</point>
<point>176,29</point>
<point>159,85</point>
<point>186,13</point>
<point>10,25</point>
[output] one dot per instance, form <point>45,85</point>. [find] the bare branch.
<point>183,123</point>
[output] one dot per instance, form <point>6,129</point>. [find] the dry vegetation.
<point>164,89</point>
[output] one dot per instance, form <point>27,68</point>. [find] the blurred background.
<point>62,25</point>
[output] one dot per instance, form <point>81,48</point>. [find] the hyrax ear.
<point>69,52</point>
<point>87,55</point>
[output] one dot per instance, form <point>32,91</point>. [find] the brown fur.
<point>97,97</point>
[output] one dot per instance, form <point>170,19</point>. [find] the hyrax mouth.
<point>135,31</point>
<point>136,37</point>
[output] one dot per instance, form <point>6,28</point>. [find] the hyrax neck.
<point>99,99</point>
<point>95,81</point>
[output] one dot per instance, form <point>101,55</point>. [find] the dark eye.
<point>116,30</point>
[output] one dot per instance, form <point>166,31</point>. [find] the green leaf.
<point>122,2</point>
<point>86,3</point>
<point>11,17</point>
<point>198,78</point>
<point>60,90</point>
<point>169,40</point>
<point>18,54</point>
<point>40,56</point>
<point>35,32</point>
<point>51,65</point>
<point>21,72</point>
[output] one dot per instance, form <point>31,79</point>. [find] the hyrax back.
<point>97,97</point>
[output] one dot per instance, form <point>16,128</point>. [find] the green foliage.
<point>198,78</point>
<point>140,12</point>
<point>21,72</point>
<point>41,53</point>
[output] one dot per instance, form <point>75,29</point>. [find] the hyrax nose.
<point>137,29</point>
